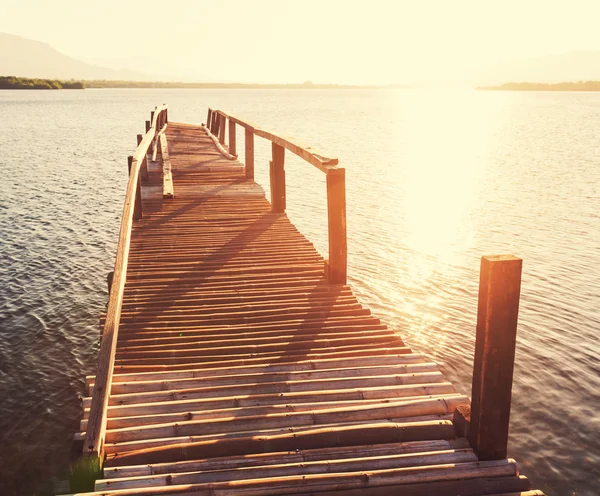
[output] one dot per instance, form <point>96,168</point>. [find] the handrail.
<point>96,426</point>
<point>336,266</point>
<point>306,152</point>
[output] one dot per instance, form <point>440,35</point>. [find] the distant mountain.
<point>554,68</point>
<point>33,59</point>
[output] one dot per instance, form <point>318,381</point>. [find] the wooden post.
<point>151,117</point>
<point>137,209</point>
<point>277,174</point>
<point>336,224</point>
<point>109,281</point>
<point>147,126</point>
<point>208,118</point>
<point>216,123</point>
<point>232,147</point>
<point>144,164</point>
<point>249,135</point>
<point>497,313</point>
<point>222,130</point>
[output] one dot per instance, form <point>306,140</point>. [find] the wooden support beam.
<point>151,118</point>
<point>216,123</point>
<point>208,118</point>
<point>336,223</point>
<point>109,280</point>
<point>147,126</point>
<point>222,127</point>
<point>144,165</point>
<point>137,209</point>
<point>232,147</point>
<point>249,136</point>
<point>168,192</point>
<point>497,314</point>
<point>277,175</point>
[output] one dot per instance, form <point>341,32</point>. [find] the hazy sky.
<point>324,41</point>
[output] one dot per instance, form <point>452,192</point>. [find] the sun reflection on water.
<point>441,161</point>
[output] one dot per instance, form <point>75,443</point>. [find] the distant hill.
<point>33,59</point>
<point>553,68</point>
<point>565,86</point>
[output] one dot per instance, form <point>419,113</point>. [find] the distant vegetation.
<point>567,86</point>
<point>166,84</point>
<point>19,83</point>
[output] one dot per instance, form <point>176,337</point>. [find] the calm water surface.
<point>435,179</point>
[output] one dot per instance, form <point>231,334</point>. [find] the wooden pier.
<point>235,360</point>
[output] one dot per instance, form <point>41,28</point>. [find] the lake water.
<point>435,180</point>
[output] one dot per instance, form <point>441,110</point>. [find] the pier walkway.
<point>236,361</point>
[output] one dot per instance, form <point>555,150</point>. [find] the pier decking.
<point>235,360</point>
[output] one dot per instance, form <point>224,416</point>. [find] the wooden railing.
<point>336,266</point>
<point>138,169</point>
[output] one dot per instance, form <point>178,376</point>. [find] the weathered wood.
<point>97,418</point>
<point>231,345</point>
<point>338,481</point>
<point>336,222</point>
<point>94,440</point>
<point>216,120</point>
<point>222,129</point>
<point>168,191</point>
<point>277,176</point>
<point>361,462</point>
<point>109,280</point>
<point>298,456</point>
<point>497,314</point>
<point>249,153</point>
<point>232,138</point>
<point>219,146</point>
<point>137,209</point>
<point>306,152</point>
<point>144,166</point>
<point>208,117</point>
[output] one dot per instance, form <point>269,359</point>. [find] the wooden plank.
<point>299,456</point>
<point>497,314</point>
<point>239,365</point>
<point>93,445</point>
<point>316,483</point>
<point>391,461</point>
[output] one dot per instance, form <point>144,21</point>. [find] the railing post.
<point>222,130</point>
<point>151,118</point>
<point>137,208</point>
<point>208,118</point>
<point>148,126</point>
<point>497,314</point>
<point>216,122</point>
<point>336,224</point>
<point>232,146</point>
<point>109,280</point>
<point>277,175</point>
<point>144,164</point>
<point>249,135</point>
